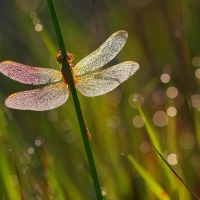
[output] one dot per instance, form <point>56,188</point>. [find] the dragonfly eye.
<point>59,57</point>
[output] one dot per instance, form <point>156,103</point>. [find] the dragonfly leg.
<point>86,126</point>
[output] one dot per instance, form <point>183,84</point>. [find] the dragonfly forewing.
<point>104,81</point>
<point>29,75</point>
<point>104,54</point>
<point>46,98</point>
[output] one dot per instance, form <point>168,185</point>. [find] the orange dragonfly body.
<point>88,82</point>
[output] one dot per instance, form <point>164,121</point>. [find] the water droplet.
<point>135,97</point>
<point>122,153</point>
<point>135,100</point>
<point>172,159</point>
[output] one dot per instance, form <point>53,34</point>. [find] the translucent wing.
<point>104,81</point>
<point>105,53</point>
<point>29,75</point>
<point>46,98</point>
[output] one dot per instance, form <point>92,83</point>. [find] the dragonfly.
<point>87,79</point>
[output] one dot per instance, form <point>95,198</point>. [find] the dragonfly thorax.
<point>70,58</point>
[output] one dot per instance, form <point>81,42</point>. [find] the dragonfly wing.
<point>29,75</point>
<point>105,53</point>
<point>104,81</point>
<point>46,98</point>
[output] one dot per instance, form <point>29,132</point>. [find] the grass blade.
<point>156,189</point>
<point>177,175</point>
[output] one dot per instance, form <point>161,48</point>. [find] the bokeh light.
<point>39,141</point>
<point>66,125</point>
<point>160,119</point>
<point>171,111</point>
<point>165,78</point>
<point>197,73</point>
<point>114,121</point>
<point>33,15</point>
<point>187,141</point>
<point>196,61</point>
<point>103,193</point>
<point>172,92</point>
<point>138,121</point>
<point>27,6</point>
<point>52,116</point>
<point>38,27</point>
<point>172,159</point>
<point>24,158</point>
<point>30,150</point>
<point>145,147</point>
<point>36,21</point>
<point>113,98</point>
<point>195,101</point>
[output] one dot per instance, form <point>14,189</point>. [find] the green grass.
<point>127,166</point>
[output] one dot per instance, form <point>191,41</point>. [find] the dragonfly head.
<point>59,58</point>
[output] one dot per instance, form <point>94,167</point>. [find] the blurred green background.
<point>42,154</point>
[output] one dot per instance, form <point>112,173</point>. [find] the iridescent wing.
<point>104,81</point>
<point>105,53</point>
<point>46,98</point>
<point>29,75</point>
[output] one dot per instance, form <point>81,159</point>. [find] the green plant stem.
<point>76,102</point>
